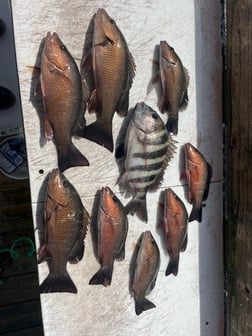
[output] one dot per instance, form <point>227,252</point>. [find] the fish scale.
<point>175,224</point>
<point>113,70</point>
<point>110,74</point>
<point>66,222</point>
<point>148,149</point>
<point>62,99</point>
<point>145,272</point>
<point>112,228</point>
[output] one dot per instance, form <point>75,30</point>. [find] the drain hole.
<point>2,27</point>
<point>7,98</point>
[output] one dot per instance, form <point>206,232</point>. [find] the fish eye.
<point>154,116</point>
<point>112,22</point>
<point>64,183</point>
<point>114,198</point>
<point>63,47</point>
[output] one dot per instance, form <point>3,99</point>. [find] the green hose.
<point>14,254</point>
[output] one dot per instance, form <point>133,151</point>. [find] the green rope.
<point>14,254</point>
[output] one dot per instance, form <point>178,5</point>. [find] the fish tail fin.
<point>99,133</point>
<point>102,277</point>
<point>58,283</point>
<point>172,267</point>
<point>172,124</point>
<point>142,305</point>
<point>196,214</point>
<point>137,206</point>
<point>71,157</point>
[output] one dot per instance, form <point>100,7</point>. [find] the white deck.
<point>191,303</point>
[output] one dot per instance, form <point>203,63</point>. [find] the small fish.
<point>113,69</point>
<point>175,227</point>
<point>175,81</point>
<point>66,221</point>
<point>145,273</point>
<point>112,233</point>
<point>62,99</point>
<point>147,150</point>
<point>198,173</point>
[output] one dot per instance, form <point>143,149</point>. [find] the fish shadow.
<point>133,260</point>
<point>160,221</point>
<point>40,225</point>
<point>87,75</point>
<point>94,223</point>
<point>40,222</point>
<point>182,172</point>
<point>36,93</point>
<point>155,81</point>
<point>120,151</point>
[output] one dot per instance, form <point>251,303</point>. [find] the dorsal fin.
<point>122,107</point>
<point>171,148</point>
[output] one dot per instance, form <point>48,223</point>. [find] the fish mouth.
<point>189,154</point>
<point>100,13</point>
<point>187,148</point>
<point>164,44</point>
<point>147,235</point>
<point>54,174</point>
<point>168,61</point>
<point>169,191</point>
<point>104,192</point>
<point>144,110</point>
<point>100,17</point>
<point>50,36</point>
<point>105,42</point>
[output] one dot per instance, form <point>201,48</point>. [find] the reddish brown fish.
<point>175,227</point>
<point>174,80</point>
<point>66,222</point>
<point>112,233</point>
<point>198,173</point>
<point>62,98</point>
<point>114,69</point>
<point>146,271</point>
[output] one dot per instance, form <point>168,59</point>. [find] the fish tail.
<point>172,124</point>
<point>58,283</point>
<point>137,206</point>
<point>102,277</point>
<point>99,133</point>
<point>142,305</point>
<point>196,214</point>
<point>71,157</point>
<point>172,267</point>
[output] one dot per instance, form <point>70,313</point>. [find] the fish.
<point>112,228</point>
<point>66,221</point>
<point>145,272</point>
<point>175,224</point>
<point>113,70</point>
<point>147,150</point>
<point>198,174</point>
<point>174,82</point>
<point>61,88</point>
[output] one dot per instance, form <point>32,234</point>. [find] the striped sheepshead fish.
<point>147,150</point>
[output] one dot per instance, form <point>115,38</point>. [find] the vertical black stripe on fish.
<point>151,155</point>
<point>143,179</point>
<point>147,167</point>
